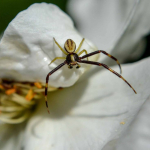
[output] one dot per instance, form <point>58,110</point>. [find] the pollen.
<point>18,99</point>
<point>1,87</point>
<point>30,95</point>
<point>38,85</point>
<point>122,122</point>
<point>10,91</point>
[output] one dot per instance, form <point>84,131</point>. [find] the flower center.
<point>18,99</point>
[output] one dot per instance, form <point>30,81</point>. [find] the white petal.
<point>27,46</point>
<point>115,26</point>
<point>91,114</point>
<point>138,133</point>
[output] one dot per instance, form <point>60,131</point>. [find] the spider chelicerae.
<point>73,59</point>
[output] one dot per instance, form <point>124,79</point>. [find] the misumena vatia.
<point>73,59</point>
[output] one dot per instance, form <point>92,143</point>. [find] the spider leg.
<point>56,59</point>
<point>79,46</point>
<point>101,51</point>
<point>105,66</point>
<point>47,78</point>
<point>83,52</point>
<point>60,47</point>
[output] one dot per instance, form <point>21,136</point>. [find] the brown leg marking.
<point>47,78</point>
<point>101,51</point>
<point>105,66</point>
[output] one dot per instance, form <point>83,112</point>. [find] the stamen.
<point>30,95</point>
<point>1,87</point>
<point>10,91</point>
<point>38,85</point>
<point>18,99</point>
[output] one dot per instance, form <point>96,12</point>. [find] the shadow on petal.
<point>97,116</point>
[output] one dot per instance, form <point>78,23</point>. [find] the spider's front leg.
<point>83,51</point>
<point>47,78</point>
<point>101,51</point>
<point>56,59</point>
<point>106,67</point>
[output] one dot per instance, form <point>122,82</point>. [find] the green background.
<point>10,8</point>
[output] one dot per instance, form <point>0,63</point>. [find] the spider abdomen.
<point>70,46</point>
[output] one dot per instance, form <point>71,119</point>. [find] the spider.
<point>73,59</point>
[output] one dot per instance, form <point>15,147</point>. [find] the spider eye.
<point>70,46</point>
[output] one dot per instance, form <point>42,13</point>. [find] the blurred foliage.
<point>10,8</point>
<point>147,50</point>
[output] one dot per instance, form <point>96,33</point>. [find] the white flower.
<point>27,46</point>
<point>91,114</point>
<point>123,24</point>
<point>116,26</point>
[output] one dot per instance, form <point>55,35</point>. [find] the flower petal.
<point>138,133</point>
<point>91,114</point>
<point>115,26</point>
<point>27,46</point>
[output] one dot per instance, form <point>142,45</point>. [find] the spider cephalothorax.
<point>73,59</point>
